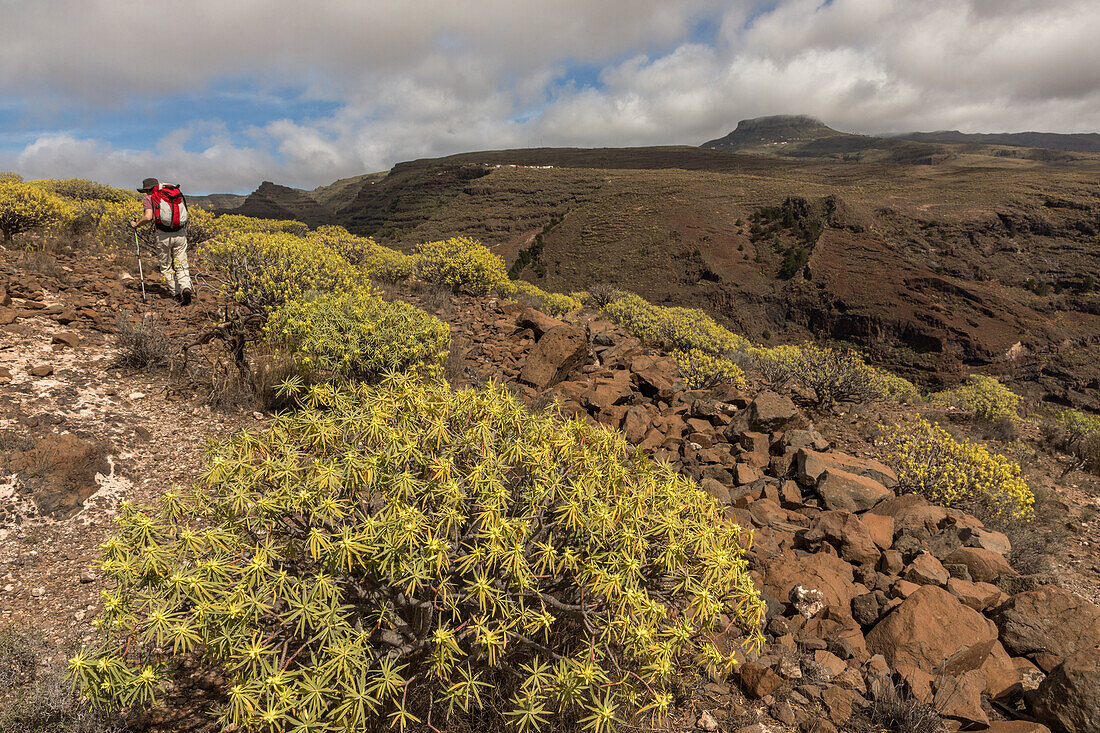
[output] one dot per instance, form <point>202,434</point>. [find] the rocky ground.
<point>869,593</point>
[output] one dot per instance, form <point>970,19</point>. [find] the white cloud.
<point>418,78</point>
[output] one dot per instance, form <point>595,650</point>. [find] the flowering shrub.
<point>357,335</point>
<point>24,206</point>
<point>556,304</point>
<point>894,387</point>
<point>377,262</point>
<point>986,397</point>
<point>681,329</point>
<point>404,554</point>
<point>236,223</point>
<point>263,271</point>
<point>931,462</point>
<point>777,365</point>
<point>461,262</point>
<point>80,189</point>
<point>107,221</point>
<point>836,375</point>
<point>703,371</point>
<point>1077,433</point>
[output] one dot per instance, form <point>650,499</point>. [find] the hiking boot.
<point>185,297</point>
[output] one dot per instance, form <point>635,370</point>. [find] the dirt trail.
<point>140,442</point>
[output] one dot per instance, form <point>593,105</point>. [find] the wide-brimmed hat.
<point>148,184</point>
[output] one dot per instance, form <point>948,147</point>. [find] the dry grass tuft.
<point>141,345</point>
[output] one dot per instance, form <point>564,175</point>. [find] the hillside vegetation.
<point>461,511</point>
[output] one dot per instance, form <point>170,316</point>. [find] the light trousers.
<point>172,257</point>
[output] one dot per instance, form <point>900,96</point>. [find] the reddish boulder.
<point>1001,675</point>
<point>979,596</point>
<point>1048,619</point>
<point>933,631</point>
<point>1016,726</point>
<point>555,356</point>
<point>743,474</point>
<point>635,424</point>
<point>656,376</point>
<point>850,492</point>
<point>537,321</point>
<point>985,566</point>
<point>770,412</point>
<point>913,515</point>
<point>881,528</point>
<point>959,697</point>
<point>986,539</point>
<point>847,534</point>
<point>758,681</point>
<point>809,465</point>
<point>925,570</point>
<point>825,572</point>
<point>1069,698</point>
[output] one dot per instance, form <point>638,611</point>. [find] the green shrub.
<point>777,365</point>
<point>388,265</point>
<point>836,375</point>
<point>357,335</point>
<point>35,696</point>
<point>701,370</point>
<point>986,397</point>
<point>463,263</point>
<point>24,207</point>
<point>1077,433</point>
<point>237,224</point>
<point>262,271</point>
<point>406,552</point>
<point>556,304</point>
<point>952,473</point>
<point>83,190</point>
<point>894,387</point>
<point>672,329</point>
<point>794,259</point>
<point>377,262</point>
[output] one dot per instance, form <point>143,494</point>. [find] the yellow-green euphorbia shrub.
<point>401,553</point>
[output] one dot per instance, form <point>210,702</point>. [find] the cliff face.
<point>272,201</point>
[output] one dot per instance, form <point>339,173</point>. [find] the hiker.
<point>166,208</point>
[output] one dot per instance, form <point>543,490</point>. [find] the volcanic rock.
<point>985,566</point>
<point>848,491</point>
<point>555,356</point>
<point>934,632</point>
<point>1048,620</point>
<point>1069,698</point>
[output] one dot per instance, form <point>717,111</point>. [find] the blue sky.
<point>303,94</point>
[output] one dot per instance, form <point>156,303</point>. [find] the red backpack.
<point>169,207</point>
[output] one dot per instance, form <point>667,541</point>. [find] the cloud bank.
<point>400,80</point>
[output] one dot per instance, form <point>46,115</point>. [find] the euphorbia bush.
<point>986,397</point>
<point>556,304</point>
<point>263,271</point>
<point>931,462</point>
<point>671,328</point>
<point>24,206</point>
<point>407,554</point>
<point>463,263</point>
<point>236,223</point>
<point>703,371</point>
<point>358,335</point>
<point>82,189</point>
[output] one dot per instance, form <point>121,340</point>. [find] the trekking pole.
<point>141,273</point>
